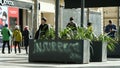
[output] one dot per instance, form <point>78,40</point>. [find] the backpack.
<point>18,35</point>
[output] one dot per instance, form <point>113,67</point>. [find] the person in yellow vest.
<point>17,36</point>
<point>89,26</point>
<point>90,29</point>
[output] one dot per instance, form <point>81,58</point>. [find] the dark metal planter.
<point>98,51</point>
<point>59,51</point>
<point>115,53</point>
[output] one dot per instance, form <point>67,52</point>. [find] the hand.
<point>110,30</point>
<point>113,30</point>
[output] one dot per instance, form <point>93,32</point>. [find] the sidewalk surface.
<point>21,61</point>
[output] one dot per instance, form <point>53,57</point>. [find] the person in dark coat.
<point>43,28</point>
<point>110,29</point>
<point>71,24</point>
<point>26,38</point>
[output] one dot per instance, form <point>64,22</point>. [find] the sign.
<point>13,11</point>
<point>3,16</point>
<point>7,2</point>
<point>13,16</point>
<point>9,15</point>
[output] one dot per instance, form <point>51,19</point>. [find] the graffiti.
<point>55,46</point>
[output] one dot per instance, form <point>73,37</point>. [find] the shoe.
<point>26,52</point>
<point>20,52</point>
<point>3,52</point>
<point>8,52</point>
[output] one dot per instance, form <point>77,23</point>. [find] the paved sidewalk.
<point>21,61</point>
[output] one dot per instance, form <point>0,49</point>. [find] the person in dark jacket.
<point>6,38</point>
<point>43,28</point>
<point>110,29</point>
<point>26,38</point>
<point>72,24</point>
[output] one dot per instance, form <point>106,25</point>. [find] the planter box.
<point>59,51</point>
<point>115,53</point>
<point>98,51</point>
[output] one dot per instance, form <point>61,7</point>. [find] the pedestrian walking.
<point>26,38</point>
<point>17,36</point>
<point>6,38</point>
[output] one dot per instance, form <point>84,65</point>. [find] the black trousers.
<point>26,43</point>
<point>15,44</point>
<point>4,43</point>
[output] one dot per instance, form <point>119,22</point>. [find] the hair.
<point>6,25</point>
<point>44,19</point>
<point>71,18</point>
<point>4,14</point>
<point>110,21</point>
<point>89,24</point>
<point>26,28</point>
<point>16,27</point>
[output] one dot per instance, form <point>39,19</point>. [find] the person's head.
<point>89,24</point>
<point>6,25</point>
<point>4,14</point>
<point>43,20</point>
<point>26,28</point>
<point>17,27</point>
<point>110,22</point>
<point>71,19</point>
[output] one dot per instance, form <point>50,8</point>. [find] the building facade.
<point>46,8</point>
<point>111,13</point>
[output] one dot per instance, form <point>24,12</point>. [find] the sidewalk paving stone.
<point>21,61</point>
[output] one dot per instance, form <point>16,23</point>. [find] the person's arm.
<point>2,32</point>
<point>91,29</point>
<point>68,25</point>
<point>114,28</point>
<point>37,34</point>
<point>9,33</point>
<point>13,34</point>
<point>46,28</point>
<point>106,29</point>
<point>23,33</point>
<point>29,34</point>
